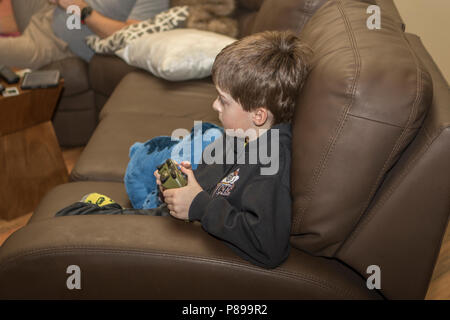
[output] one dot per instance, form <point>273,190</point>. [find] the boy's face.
<point>231,113</point>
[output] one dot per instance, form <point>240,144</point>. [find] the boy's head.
<point>258,79</point>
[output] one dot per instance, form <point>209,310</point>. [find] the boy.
<point>238,199</point>
<point>258,79</point>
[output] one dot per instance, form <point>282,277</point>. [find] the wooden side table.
<point>31,161</point>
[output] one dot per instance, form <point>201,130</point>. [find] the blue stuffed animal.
<point>145,157</point>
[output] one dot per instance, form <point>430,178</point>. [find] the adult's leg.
<point>37,46</point>
<point>25,9</point>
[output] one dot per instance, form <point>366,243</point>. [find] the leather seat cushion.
<point>144,257</point>
<point>106,156</point>
<point>140,242</point>
<point>145,94</point>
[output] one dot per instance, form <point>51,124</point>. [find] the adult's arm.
<point>104,26</point>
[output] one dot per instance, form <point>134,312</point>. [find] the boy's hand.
<point>158,180</point>
<point>186,164</point>
<point>179,200</point>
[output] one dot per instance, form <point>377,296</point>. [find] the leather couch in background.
<point>370,176</point>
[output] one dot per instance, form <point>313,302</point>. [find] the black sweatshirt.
<point>240,205</point>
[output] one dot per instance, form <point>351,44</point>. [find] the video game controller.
<point>171,176</point>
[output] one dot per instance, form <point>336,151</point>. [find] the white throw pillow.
<point>176,55</point>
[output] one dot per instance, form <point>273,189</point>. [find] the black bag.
<point>83,208</point>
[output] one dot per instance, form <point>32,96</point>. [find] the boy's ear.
<point>260,116</point>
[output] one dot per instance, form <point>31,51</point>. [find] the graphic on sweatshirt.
<point>225,187</point>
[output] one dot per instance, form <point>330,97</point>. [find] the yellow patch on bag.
<point>98,199</point>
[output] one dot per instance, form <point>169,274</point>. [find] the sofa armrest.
<point>144,257</point>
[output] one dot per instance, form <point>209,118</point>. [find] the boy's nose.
<point>216,106</point>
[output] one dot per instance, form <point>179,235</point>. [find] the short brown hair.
<point>266,69</point>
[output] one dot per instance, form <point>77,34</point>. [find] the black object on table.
<point>9,76</point>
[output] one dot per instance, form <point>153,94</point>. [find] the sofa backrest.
<point>403,228</point>
<point>261,15</point>
<point>363,103</point>
<point>389,7</point>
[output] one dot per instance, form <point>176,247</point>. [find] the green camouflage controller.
<point>171,177</point>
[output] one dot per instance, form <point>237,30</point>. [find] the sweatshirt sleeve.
<point>260,231</point>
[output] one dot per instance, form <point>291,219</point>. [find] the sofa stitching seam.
<point>383,122</point>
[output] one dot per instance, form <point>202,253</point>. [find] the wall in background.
<point>430,20</point>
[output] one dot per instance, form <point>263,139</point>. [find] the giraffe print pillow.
<point>173,18</point>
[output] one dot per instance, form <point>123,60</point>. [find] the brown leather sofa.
<point>370,177</point>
